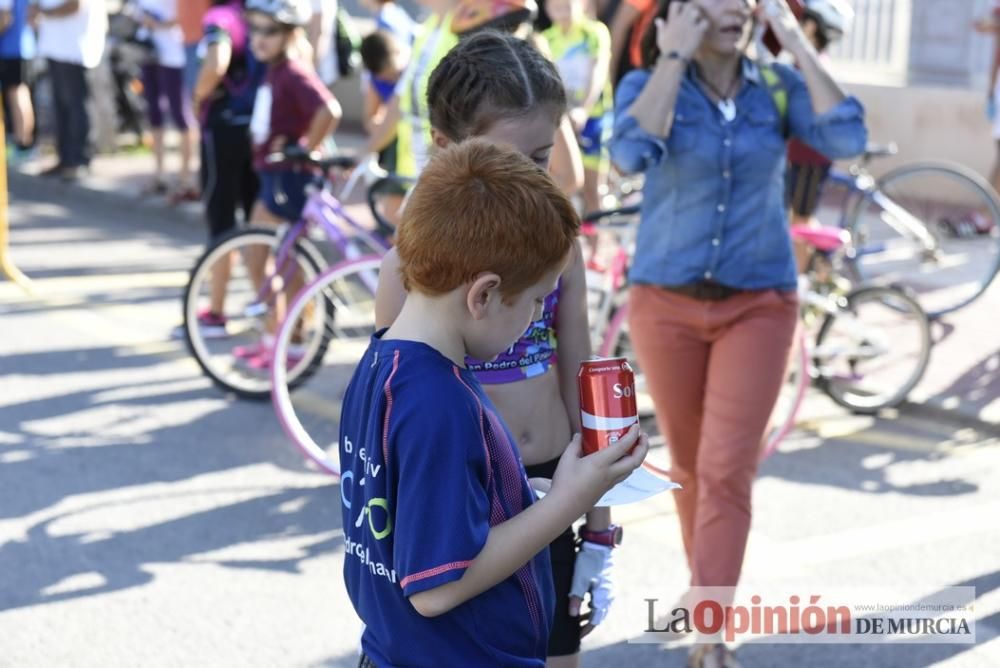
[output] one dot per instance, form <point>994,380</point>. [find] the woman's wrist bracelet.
<point>674,55</point>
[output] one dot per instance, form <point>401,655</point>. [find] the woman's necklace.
<point>726,104</point>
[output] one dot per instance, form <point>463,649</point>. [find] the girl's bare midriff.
<point>534,412</point>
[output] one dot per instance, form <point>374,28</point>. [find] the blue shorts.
<point>284,192</point>
<point>593,139</point>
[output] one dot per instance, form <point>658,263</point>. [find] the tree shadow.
<point>34,567</point>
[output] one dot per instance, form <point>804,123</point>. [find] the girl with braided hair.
<point>500,88</point>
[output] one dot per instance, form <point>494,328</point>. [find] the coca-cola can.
<point>607,401</point>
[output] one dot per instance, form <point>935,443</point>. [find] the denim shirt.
<point>713,204</point>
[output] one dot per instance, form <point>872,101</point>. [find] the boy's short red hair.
<point>479,207</point>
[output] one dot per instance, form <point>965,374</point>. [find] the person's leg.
<point>172,84</point>
<point>671,350</point>
<point>59,83</point>
<point>23,114</point>
<point>219,194</point>
<point>151,88</point>
<point>81,147</point>
<point>745,370</point>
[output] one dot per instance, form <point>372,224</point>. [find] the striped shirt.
<point>428,469</point>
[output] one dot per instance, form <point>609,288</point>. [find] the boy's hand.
<point>583,480</point>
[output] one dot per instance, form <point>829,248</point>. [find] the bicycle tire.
<point>790,399</point>
<point>887,256</point>
<point>281,396</point>
<point>392,184</point>
<point>253,386</point>
<point>848,390</point>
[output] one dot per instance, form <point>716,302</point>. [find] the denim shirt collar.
<point>749,70</point>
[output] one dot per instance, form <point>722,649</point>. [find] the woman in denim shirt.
<point>713,302</point>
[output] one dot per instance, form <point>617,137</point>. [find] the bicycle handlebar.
<point>595,216</point>
<point>296,154</point>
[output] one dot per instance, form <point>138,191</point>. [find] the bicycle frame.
<point>862,187</point>
<point>325,212</point>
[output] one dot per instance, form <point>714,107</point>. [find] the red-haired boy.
<point>445,559</point>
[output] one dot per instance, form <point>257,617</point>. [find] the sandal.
<point>155,187</point>
<point>185,194</point>
<point>712,656</point>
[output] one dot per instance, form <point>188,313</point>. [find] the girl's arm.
<point>374,110</point>
<point>566,166</point>
<point>573,335</point>
<point>601,73</point>
<point>324,122</point>
<point>213,70</point>
<point>384,131</point>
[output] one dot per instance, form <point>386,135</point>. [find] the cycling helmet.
<point>833,16</point>
<point>289,12</point>
<point>504,15</point>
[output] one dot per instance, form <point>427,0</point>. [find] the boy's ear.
<point>439,138</point>
<point>484,289</point>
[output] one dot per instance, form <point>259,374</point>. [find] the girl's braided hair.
<point>488,77</point>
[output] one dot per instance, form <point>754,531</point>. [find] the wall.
<point>928,123</point>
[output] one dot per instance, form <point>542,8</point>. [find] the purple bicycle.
<point>239,290</point>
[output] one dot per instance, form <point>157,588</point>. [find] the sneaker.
<point>253,350</point>
<point>211,325</point>
<point>264,361</point>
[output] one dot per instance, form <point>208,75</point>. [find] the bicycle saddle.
<point>824,238</point>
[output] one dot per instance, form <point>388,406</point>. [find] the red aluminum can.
<point>607,401</point>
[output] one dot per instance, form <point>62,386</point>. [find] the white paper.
<point>639,486</point>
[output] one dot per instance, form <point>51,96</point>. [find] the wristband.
<point>610,537</point>
<point>675,55</point>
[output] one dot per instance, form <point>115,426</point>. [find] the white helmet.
<point>833,16</point>
<point>289,12</point>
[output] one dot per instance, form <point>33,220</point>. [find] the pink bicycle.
<point>865,348</point>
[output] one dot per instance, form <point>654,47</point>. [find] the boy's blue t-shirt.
<point>428,468</point>
<point>18,40</point>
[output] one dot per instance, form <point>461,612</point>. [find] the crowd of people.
<point>506,111</point>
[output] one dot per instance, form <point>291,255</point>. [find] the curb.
<point>56,191</point>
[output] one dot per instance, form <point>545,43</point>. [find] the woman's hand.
<point>684,31</point>
<point>779,17</point>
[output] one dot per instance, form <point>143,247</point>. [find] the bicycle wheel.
<point>237,359</point>
<point>872,349</point>
<point>312,420</point>
<point>933,228</point>
<point>793,393</point>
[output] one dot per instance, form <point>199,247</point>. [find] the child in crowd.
<point>385,58</point>
<point>17,49</point>
<point>293,109</point>
<point>823,22</point>
<point>163,86</point>
<point>581,50</point>
<point>224,92</point>
<point>393,19</point>
<point>446,561</point>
